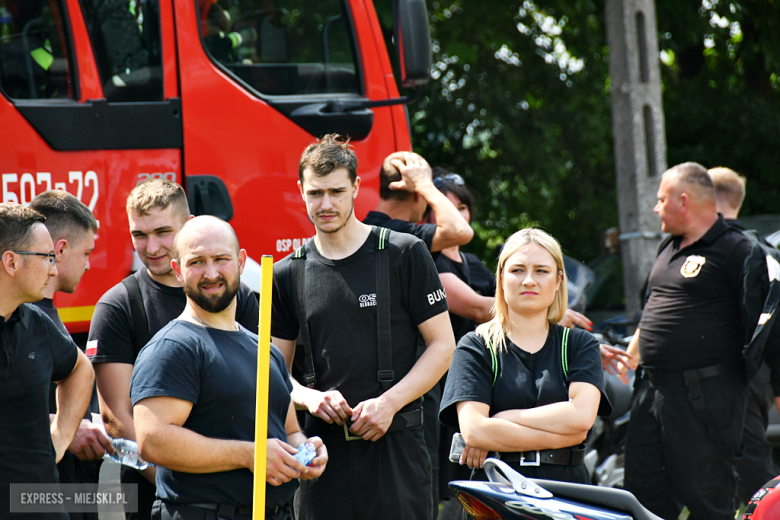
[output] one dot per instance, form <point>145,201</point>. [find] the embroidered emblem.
<point>692,266</point>
<point>31,355</point>
<point>367,300</point>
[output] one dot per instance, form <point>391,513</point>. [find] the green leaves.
<point>520,106</point>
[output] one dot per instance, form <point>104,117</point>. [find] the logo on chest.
<point>367,300</point>
<point>692,266</point>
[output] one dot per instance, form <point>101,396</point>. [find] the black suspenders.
<point>385,374</point>
<point>141,333</point>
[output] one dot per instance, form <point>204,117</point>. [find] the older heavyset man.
<point>706,291</point>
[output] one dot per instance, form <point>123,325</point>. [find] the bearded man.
<point>193,391</point>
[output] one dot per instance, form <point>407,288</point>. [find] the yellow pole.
<point>263,366</point>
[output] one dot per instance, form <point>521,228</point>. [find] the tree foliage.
<point>520,106</point>
<point>721,90</point>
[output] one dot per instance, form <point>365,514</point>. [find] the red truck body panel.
<point>228,132</point>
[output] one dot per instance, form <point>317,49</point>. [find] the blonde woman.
<point>520,385</point>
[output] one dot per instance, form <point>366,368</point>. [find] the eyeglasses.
<point>454,178</point>
<point>50,257</point>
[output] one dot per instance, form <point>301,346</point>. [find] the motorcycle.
<point>509,495</point>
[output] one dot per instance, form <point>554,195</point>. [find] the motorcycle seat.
<point>602,496</point>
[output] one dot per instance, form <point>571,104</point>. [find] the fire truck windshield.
<point>282,47</point>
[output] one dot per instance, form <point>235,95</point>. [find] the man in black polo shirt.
<point>72,227</point>
<point>34,353</point>
<point>132,311</point>
<point>194,390</point>
<point>689,403</point>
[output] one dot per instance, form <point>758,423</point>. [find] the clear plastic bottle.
<point>306,453</point>
<point>126,452</point>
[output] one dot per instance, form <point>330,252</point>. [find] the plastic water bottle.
<point>126,452</point>
<point>306,453</point>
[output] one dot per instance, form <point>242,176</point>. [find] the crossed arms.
<point>556,425</point>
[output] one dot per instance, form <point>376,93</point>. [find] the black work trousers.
<point>169,511</point>
<point>387,479</point>
<point>755,466</point>
<point>432,428</point>
<point>681,451</point>
<point>73,470</point>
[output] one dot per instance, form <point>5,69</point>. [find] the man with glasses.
<point>34,353</point>
<point>406,189</point>
<point>72,227</point>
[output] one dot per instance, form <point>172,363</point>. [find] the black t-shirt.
<point>111,330</point>
<point>341,310</point>
<point>524,380</point>
<point>47,306</point>
<point>473,273</point>
<point>424,232</point>
<point>34,353</point>
<point>216,370</point>
<point>481,279</point>
<point>702,305</point>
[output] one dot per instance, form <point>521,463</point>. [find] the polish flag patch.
<point>92,347</point>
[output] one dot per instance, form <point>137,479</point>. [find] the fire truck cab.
<point>220,96</point>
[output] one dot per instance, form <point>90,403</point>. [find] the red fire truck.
<point>220,96</point>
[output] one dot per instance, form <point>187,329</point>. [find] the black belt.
<point>679,378</point>
<point>401,421</point>
<point>559,457</point>
<point>227,511</point>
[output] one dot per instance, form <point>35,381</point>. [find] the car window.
<point>125,37</point>
<point>282,47</point>
<point>34,50</point>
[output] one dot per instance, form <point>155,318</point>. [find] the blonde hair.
<point>729,186</point>
<point>158,193</point>
<point>494,332</point>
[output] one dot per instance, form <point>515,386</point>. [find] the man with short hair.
<point>194,391</point>
<point>729,191</point>
<point>134,310</point>
<point>755,466</point>
<point>706,292</point>
<point>360,296</point>
<point>34,353</point>
<point>72,227</point>
<point>406,193</point>
<point>406,189</point>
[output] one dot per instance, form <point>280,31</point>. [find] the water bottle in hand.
<point>306,453</point>
<point>126,452</point>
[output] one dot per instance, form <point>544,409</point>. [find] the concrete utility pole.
<point>640,143</point>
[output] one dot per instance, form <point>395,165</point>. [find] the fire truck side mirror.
<point>412,42</point>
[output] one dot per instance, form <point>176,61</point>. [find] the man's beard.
<point>213,303</point>
<point>336,230</point>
